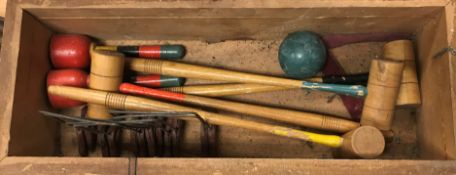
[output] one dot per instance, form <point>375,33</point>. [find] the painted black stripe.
<point>129,51</point>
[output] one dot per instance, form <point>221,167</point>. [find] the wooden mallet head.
<point>363,142</point>
<point>106,73</point>
<point>67,77</point>
<point>384,82</point>
<point>409,91</point>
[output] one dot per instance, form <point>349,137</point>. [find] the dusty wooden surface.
<point>269,19</point>
<point>69,165</point>
<point>124,166</point>
<point>7,66</point>
<point>295,166</point>
<point>451,38</point>
<point>438,139</point>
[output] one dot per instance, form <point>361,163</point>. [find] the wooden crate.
<point>30,143</point>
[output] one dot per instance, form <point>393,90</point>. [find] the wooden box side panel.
<point>451,20</point>
<point>8,65</point>
<point>69,165</point>
<point>435,120</point>
<point>221,24</point>
<point>31,133</point>
<point>122,166</point>
<point>292,166</point>
<point>445,146</point>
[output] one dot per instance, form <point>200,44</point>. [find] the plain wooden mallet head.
<point>106,73</point>
<point>409,91</point>
<point>383,85</point>
<point>363,142</point>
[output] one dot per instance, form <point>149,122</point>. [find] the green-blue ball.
<point>302,54</point>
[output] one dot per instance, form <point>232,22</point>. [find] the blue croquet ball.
<point>302,54</point>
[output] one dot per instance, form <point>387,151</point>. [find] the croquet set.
<point>228,87</point>
<point>141,90</point>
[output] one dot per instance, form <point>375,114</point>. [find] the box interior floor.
<point>243,39</point>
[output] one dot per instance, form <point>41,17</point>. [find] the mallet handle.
<point>148,51</point>
<point>218,90</point>
<point>200,72</point>
<point>127,102</point>
<point>312,120</point>
<point>106,72</point>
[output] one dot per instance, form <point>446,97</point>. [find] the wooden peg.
<point>218,90</point>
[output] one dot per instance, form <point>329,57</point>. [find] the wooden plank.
<point>230,23</point>
<point>74,165</point>
<point>228,20</point>
<point>68,165</point>
<point>435,121</point>
<point>233,13</point>
<point>232,3</point>
<point>451,25</point>
<point>214,30</point>
<point>8,65</point>
<point>292,166</point>
<point>31,133</point>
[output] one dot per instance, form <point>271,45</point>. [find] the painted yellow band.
<point>106,48</point>
<point>328,140</point>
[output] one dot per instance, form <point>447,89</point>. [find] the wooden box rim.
<point>77,165</point>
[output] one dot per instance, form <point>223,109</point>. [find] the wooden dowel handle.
<point>200,72</point>
<point>218,90</point>
<point>148,51</point>
<point>106,72</point>
<point>312,120</point>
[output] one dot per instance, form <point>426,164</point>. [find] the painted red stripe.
<point>138,90</point>
<point>149,51</point>
<point>148,80</point>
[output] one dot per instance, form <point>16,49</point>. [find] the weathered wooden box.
<point>30,143</point>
